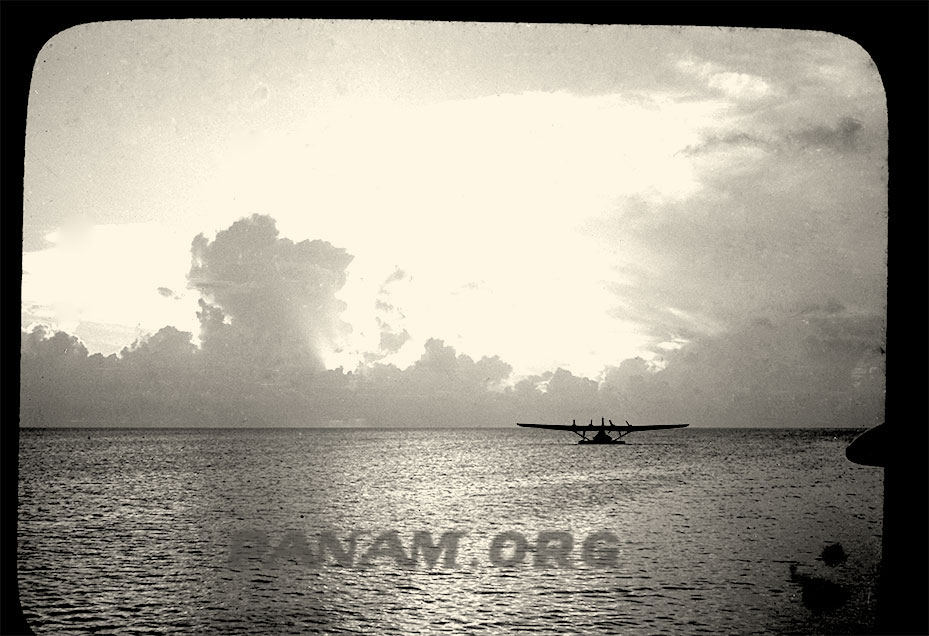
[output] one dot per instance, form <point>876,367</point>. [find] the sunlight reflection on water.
<point>130,531</point>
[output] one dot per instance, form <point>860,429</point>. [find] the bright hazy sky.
<point>556,195</point>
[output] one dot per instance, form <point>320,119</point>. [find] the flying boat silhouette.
<point>603,431</point>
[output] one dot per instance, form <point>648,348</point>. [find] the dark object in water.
<point>833,554</point>
<point>819,595</point>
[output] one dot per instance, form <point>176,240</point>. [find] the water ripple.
<point>132,531</point>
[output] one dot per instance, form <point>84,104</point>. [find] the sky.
<point>509,219</point>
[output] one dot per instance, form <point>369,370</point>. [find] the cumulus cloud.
<point>441,388</point>
<point>440,364</point>
<point>266,298</point>
<point>43,344</point>
<point>820,367</point>
<point>59,385</point>
<point>266,302</point>
<point>731,186</point>
<point>167,347</point>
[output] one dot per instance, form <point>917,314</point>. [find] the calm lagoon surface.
<point>208,531</point>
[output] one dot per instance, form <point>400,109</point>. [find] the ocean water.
<point>220,531</point>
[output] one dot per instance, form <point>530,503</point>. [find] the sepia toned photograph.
<point>387,326</point>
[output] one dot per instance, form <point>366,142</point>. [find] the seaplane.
<point>603,431</point>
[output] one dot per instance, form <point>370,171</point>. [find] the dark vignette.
<point>893,33</point>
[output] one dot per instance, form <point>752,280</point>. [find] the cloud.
<point>398,275</point>
<point>389,320</point>
<point>267,301</point>
<point>740,85</point>
<point>43,344</point>
<point>440,364</point>
<point>266,298</point>
<point>167,293</point>
<point>168,348</point>
<point>732,84</point>
<point>494,188</point>
<point>818,368</point>
<point>441,388</point>
<point>56,383</point>
<point>123,275</point>
<point>775,225</point>
<point>725,142</point>
<point>391,341</point>
<point>727,197</point>
<point>843,136</point>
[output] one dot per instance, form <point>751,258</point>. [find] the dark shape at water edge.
<point>819,595</point>
<point>869,448</point>
<point>900,451</point>
<point>833,554</point>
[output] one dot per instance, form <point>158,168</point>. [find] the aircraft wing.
<point>609,427</point>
